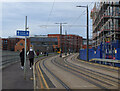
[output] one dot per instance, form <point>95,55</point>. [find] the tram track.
<point>43,82</point>
<point>56,77</point>
<point>77,75</point>
<point>97,74</point>
<point>90,69</point>
<point>102,83</point>
<point>100,80</point>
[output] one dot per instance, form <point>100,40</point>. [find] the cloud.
<point>38,12</point>
<point>52,0</point>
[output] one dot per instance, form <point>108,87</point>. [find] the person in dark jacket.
<point>22,58</point>
<point>31,55</point>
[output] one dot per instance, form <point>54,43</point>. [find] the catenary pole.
<point>60,37</point>
<point>65,42</point>
<point>87,35</point>
<point>87,31</point>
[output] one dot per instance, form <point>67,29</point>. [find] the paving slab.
<point>13,77</point>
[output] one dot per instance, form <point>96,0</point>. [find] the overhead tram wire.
<point>62,25</point>
<point>81,15</point>
<point>50,12</point>
<point>72,25</point>
<point>74,3</point>
<point>62,19</point>
<point>74,22</point>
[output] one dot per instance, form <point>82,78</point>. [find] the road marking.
<point>31,78</point>
<point>43,77</point>
<point>39,79</point>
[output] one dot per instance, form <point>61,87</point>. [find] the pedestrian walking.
<point>37,53</point>
<point>31,55</point>
<point>22,58</point>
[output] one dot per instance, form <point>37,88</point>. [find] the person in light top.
<point>31,54</point>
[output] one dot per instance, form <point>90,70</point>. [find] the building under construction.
<point>106,28</point>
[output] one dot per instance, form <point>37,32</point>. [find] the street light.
<point>87,32</point>
<point>60,37</point>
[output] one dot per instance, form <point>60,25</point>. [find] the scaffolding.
<point>106,25</point>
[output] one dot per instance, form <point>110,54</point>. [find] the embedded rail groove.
<point>78,75</point>
<point>80,67</point>
<point>59,80</point>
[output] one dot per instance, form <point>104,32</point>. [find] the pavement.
<point>13,77</point>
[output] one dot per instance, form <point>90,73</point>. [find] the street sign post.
<point>25,34</point>
<point>22,33</point>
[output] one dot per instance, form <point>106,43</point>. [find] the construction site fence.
<point>102,51</point>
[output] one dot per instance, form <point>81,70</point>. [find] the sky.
<point>45,13</point>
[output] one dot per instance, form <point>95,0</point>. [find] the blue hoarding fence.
<point>104,51</point>
<point>22,33</point>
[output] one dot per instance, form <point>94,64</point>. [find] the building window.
<point>21,44</point>
<point>56,43</point>
<point>5,41</point>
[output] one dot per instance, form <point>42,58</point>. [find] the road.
<point>72,73</point>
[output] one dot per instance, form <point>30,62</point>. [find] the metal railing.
<point>9,57</point>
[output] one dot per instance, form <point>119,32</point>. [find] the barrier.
<point>104,51</point>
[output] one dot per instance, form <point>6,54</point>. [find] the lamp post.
<point>60,37</point>
<point>87,32</point>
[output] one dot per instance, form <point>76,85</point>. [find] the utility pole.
<point>25,49</point>
<point>65,42</point>
<point>87,31</point>
<point>60,37</point>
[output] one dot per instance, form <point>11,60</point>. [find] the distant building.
<point>84,45</point>
<point>10,43</point>
<point>21,44</point>
<point>71,42</point>
<point>43,44</point>
<point>4,44</point>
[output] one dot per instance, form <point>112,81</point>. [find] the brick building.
<point>21,44</point>
<point>71,42</point>
<point>4,44</point>
<point>9,43</point>
<point>12,42</point>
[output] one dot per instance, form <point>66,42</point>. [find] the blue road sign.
<point>22,33</point>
